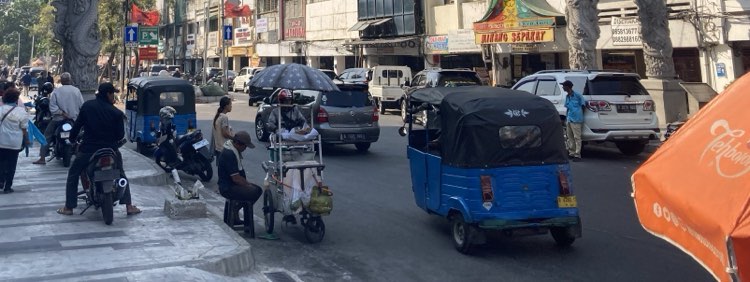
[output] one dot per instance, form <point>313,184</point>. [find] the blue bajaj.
<point>146,96</point>
<point>491,159</point>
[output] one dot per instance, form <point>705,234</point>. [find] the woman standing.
<point>222,131</point>
<point>13,136</point>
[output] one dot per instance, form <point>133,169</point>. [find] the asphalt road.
<point>377,233</point>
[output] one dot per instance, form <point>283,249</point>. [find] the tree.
<point>14,15</point>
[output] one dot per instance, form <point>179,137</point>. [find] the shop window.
<point>547,88</point>
<point>527,86</point>
<point>267,5</point>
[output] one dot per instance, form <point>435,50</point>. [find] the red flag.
<point>233,10</point>
<point>149,18</point>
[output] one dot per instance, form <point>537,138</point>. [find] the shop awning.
<point>542,8</point>
<point>699,90</point>
<point>381,41</point>
<point>362,25</point>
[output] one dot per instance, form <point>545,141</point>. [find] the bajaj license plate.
<point>352,136</point>
<point>106,175</point>
<point>627,109</point>
<point>567,202</point>
<point>200,144</point>
<point>64,134</point>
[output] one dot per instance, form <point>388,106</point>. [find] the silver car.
<point>348,116</point>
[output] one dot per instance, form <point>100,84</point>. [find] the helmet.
<point>285,95</point>
<point>47,87</point>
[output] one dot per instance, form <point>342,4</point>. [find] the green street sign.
<point>148,35</point>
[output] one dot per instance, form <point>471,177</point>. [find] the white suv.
<point>245,75</point>
<point>618,107</point>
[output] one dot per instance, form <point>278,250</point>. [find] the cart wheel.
<point>563,236</point>
<point>268,210</point>
<point>462,234</point>
<point>315,229</point>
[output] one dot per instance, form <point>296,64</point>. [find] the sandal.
<point>135,210</point>
<point>64,211</point>
<point>268,236</point>
<point>40,162</point>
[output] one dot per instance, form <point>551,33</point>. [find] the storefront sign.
<point>626,32</point>
<point>519,36</point>
<point>294,28</point>
<point>261,25</point>
<point>213,39</point>
<point>243,36</point>
<point>520,23</point>
<point>436,44</point>
<point>524,48</point>
<point>721,70</point>
<point>462,41</point>
<point>147,53</point>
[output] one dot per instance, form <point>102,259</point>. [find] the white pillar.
<point>236,64</point>
<point>431,61</point>
<point>723,57</point>
<point>371,61</point>
<point>285,60</point>
<point>313,62</point>
<point>339,64</point>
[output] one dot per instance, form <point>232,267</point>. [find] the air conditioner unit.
<point>295,47</point>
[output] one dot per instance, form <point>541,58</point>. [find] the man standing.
<point>50,79</point>
<point>232,181</point>
<point>26,83</point>
<point>64,103</point>
<point>177,73</point>
<point>105,128</point>
<point>574,102</point>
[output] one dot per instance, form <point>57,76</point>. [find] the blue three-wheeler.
<point>491,159</point>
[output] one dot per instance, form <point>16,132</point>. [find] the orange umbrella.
<point>694,191</point>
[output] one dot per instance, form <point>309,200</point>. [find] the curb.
<point>233,263</point>
<point>158,178</point>
<point>210,99</point>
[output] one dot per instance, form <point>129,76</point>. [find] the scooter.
<point>188,153</point>
<point>103,181</point>
<point>60,145</point>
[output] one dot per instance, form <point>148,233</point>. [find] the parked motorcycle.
<point>60,146</point>
<point>672,129</point>
<point>103,181</point>
<point>189,153</point>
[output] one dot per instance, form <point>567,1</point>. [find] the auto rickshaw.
<point>146,96</point>
<point>491,159</point>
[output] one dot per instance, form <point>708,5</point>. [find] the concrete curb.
<point>210,99</point>
<point>158,178</point>
<point>234,263</point>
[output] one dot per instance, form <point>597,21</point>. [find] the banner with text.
<point>626,32</point>
<point>516,36</point>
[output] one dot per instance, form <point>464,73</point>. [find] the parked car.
<point>231,75</point>
<point>331,74</point>
<point>386,85</point>
<point>154,70</point>
<point>437,77</point>
<point>209,73</point>
<point>355,75</point>
<point>348,116</point>
<point>618,108</point>
<point>245,75</point>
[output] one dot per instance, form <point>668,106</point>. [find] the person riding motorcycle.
<point>105,128</point>
<point>294,126</point>
<point>64,103</point>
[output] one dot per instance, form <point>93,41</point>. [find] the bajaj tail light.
<point>598,106</point>
<point>322,115</point>
<point>648,105</point>
<point>486,183</point>
<point>375,114</point>
<point>564,183</point>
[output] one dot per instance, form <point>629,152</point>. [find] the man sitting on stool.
<point>233,184</point>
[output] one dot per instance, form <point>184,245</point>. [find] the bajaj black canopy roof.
<point>485,127</point>
<point>154,92</point>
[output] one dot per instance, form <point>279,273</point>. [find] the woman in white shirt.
<point>221,129</point>
<point>13,136</point>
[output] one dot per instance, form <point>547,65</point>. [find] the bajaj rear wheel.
<point>462,234</point>
<point>107,208</point>
<point>563,236</point>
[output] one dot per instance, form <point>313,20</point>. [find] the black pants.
<point>8,162</point>
<point>76,168</point>
<point>241,193</point>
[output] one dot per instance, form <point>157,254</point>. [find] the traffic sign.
<point>148,35</point>
<point>131,36</point>
<point>227,32</point>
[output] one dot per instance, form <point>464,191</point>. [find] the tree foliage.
<point>13,15</point>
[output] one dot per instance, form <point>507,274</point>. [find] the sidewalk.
<point>38,244</point>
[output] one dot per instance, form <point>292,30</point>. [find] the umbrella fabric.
<point>293,77</point>
<point>694,191</point>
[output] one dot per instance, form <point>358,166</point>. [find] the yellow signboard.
<point>516,36</point>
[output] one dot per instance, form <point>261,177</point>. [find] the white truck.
<point>386,85</point>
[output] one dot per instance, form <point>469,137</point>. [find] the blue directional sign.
<point>131,35</point>
<point>227,32</point>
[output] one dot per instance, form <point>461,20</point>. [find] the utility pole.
<point>123,63</point>
<point>206,6</point>
<point>224,80</point>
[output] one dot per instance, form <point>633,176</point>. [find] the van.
<point>386,85</point>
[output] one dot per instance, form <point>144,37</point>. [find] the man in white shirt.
<point>65,103</point>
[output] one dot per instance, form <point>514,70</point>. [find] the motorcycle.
<point>189,153</point>
<point>103,181</point>
<point>60,145</point>
<point>672,129</point>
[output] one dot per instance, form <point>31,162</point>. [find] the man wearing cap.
<point>574,102</point>
<point>233,182</point>
<point>64,103</point>
<point>105,128</point>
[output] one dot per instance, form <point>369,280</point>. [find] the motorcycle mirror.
<point>67,127</point>
<point>402,131</point>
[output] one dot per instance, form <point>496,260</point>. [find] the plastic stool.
<point>249,225</point>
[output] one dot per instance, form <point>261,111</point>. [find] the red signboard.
<point>147,53</point>
<point>294,28</point>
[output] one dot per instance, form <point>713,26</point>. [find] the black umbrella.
<point>293,77</point>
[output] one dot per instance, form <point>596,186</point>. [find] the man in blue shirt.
<point>26,82</point>
<point>574,102</point>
